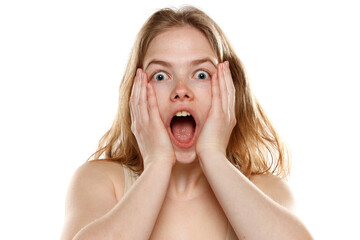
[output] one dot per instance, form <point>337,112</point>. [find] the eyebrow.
<point>167,64</point>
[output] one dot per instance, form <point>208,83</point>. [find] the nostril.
<point>183,96</point>
<point>181,93</point>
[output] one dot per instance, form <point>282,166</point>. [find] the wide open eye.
<point>202,75</point>
<point>160,76</point>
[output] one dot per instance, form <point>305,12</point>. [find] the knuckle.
<point>133,128</point>
<point>132,100</point>
<point>233,121</point>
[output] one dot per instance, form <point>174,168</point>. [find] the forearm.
<point>135,215</point>
<point>252,214</point>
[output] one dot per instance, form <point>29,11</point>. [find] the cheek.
<point>202,85</point>
<point>207,106</point>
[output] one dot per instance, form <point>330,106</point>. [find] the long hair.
<point>254,145</point>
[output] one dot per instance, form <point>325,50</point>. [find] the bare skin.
<point>173,218</point>
<point>183,193</point>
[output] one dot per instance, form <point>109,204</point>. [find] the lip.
<point>177,143</point>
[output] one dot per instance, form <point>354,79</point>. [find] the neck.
<point>187,181</point>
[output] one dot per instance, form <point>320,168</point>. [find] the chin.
<point>185,157</point>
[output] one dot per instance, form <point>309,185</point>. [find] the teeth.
<point>182,114</point>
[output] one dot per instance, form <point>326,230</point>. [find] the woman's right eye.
<point>160,76</point>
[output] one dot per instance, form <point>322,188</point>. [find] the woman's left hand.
<point>221,120</point>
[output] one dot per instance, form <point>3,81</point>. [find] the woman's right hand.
<point>146,124</point>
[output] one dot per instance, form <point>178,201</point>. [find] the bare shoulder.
<point>276,188</point>
<point>91,194</point>
<point>113,170</point>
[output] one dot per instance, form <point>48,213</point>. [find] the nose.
<point>181,91</point>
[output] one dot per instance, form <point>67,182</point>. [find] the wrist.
<point>211,155</point>
<point>209,151</point>
<point>164,165</point>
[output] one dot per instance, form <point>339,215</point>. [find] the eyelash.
<point>200,70</point>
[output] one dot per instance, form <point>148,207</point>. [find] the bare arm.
<point>92,211</point>
<point>252,213</point>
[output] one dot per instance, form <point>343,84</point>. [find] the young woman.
<point>191,154</point>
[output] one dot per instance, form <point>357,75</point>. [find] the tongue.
<point>183,129</point>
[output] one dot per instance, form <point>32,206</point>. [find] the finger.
<point>227,96</point>
<point>133,122</point>
<point>137,82</point>
<point>137,93</point>
<point>152,104</point>
<point>230,88</point>
<point>223,89</point>
<point>133,96</point>
<point>134,113</point>
<point>143,97</point>
<point>216,104</point>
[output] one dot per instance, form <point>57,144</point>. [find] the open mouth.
<point>183,129</point>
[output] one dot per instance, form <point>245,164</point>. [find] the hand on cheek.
<point>146,124</point>
<point>215,134</point>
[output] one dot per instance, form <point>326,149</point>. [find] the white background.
<point>60,67</point>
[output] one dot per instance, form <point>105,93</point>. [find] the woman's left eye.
<point>202,75</point>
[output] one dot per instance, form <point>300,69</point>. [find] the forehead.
<point>180,44</point>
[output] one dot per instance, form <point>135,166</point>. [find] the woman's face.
<point>179,64</point>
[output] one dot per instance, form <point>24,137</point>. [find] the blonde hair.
<point>254,146</point>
